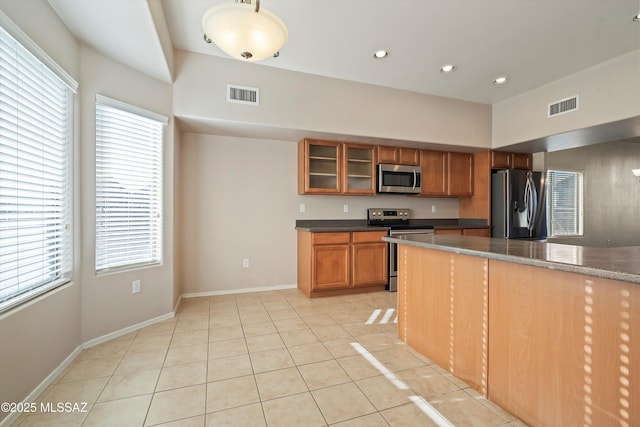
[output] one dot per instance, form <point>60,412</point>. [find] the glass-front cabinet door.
<point>359,169</point>
<point>319,165</point>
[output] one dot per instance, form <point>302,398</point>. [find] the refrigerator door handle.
<point>531,201</point>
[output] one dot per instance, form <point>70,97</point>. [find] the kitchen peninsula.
<point>549,332</point>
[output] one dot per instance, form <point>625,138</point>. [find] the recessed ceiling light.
<point>636,18</point>
<point>379,54</point>
<point>500,80</point>
<point>448,68</point>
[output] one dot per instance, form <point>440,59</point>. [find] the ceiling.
<point>532,42</point>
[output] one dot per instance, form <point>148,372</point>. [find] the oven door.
<point>399,179</point>
<point>393,255</point>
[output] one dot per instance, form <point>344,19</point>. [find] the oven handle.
<point>416,231</point>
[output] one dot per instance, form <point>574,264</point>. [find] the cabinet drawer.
<point>368,236</point>
<point>330,238</point>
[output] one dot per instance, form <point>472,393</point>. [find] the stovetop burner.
<point>396,219</point>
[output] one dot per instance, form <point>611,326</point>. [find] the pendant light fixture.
<point>244,31</point>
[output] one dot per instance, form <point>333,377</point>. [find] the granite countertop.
<point>336,225</point>
<point>608,263</point>
<point>339,225</point>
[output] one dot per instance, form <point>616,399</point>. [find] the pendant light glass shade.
<point>243,33</point>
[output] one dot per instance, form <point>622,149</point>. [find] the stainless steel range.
<point>398,221</point>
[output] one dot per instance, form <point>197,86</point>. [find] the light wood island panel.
<point>442,310</point>
<point>561,347</point>
<point>554,348</point>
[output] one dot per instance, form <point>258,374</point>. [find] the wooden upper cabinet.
<point>388,154</point>
<point>409,156</point>
<point>434,173</point>
<point>319,167</point>
<point>500,160</point>
<point>507,160</point>
<point>359,169</point>
<point>460,174</point>
<point>398,155</point>
<point>522,161</point>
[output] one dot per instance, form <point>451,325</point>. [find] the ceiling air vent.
<point>243,95</point>
<point>563,106</point>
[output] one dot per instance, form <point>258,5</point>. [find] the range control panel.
<point>391,215</point>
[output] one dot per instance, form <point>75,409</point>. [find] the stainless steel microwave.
<point>399,179</point>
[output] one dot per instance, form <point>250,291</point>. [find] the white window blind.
<point>128,186</point>
<point>35,175</point>
<point>565,203</point>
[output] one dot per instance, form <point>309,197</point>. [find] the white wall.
<point>608,92</point>
<point>107,302</point>
<point>37,337</point>
<point>293,100</point>
<point>238,199</point>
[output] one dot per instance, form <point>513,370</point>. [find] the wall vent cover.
<point>243,95</point>
<point>563,106</point>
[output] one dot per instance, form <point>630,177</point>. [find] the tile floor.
<point>273,359</point>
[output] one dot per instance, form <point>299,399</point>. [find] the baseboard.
<point>12,417</point>
<point>124,331</point>
<point>239,291</point>
<point>175,307</point>
<point>6,422</point>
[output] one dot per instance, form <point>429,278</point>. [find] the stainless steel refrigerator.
<point>518,205</point>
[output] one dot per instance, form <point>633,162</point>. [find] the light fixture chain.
<point>249,2</point>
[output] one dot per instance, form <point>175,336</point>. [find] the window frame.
<point>577,210</point>
<point>43,140</point>
<point>105,231</point>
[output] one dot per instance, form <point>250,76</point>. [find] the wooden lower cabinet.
<point>448,231</point>
<point>481,232</point>
<point>370,265</point>
<point>331,266</point>
<point>342,263</point>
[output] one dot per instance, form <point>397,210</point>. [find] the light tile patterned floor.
<point>273,359</point>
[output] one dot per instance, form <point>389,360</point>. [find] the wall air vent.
<point>563,106</point>
<point>243,95</point>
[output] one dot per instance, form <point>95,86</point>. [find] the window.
<point>36,104</point>
<point>128,186</point>
<point>565,203</point>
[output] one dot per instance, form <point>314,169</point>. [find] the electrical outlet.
<point>135,287</point>
<point>345,208</point>
<point>433,209</point>
<point>301,209</point>
<point>245,263</point>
